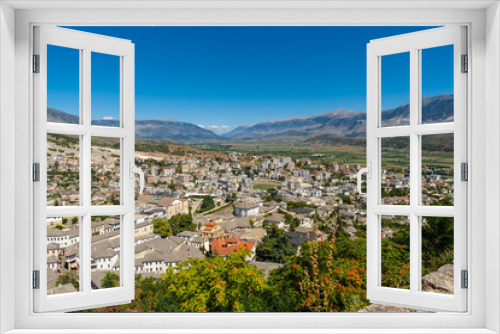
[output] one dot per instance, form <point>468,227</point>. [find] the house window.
<point>482,79</point>
<point>68,56</point>
<point>431,205</point>
<point>397,202</point>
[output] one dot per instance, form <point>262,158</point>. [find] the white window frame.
<point>484,50</point>
<point>414,43</point>
<point>85,43</point>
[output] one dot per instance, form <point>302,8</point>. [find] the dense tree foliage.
<point>110,280</point>
<point>290,220</point>
<point>182,222</point>
<point>396,192</point>
<point>162,227</point>
<point>173,226</point>
<point>207,204</point>
<point>210,285</point>
<point>301,204</point>
<point>326,276</point>
<point>275,247</point>
<point>437,243</point>
<point>70,276</point>
<point>346,199</point>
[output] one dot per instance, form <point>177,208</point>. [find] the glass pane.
<point>63,170</point>
<point>437,84</point>
<point>63,85</point>
<point>63,260</point>
<point>395,91</point>
<point>105,171</point>
<point>395,167</point>
<point>395,233</point>
<point>437,170</point>
<point>437,254</point>
<point>105,89</point>
<point>105,252</point>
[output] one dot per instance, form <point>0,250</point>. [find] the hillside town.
<point>214,204</point>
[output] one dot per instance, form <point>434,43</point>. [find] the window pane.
<point>63,85</point>
<point>395,232</point>
<point>395,166</point>
<point>105,252</point>
<point>105,89</point>
<point>63,260</point>
<point>395,95</point>
<point>437,170</point>
<point>63,170</point>
<point>437,84</point>
<point>437,254</point>
<point>105,171</point>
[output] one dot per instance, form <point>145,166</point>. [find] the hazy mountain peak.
<point>283,120</point>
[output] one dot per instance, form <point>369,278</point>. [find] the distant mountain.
<point>341,122</point>
<point>218,129</point>
<point>165,129</point>
<point>434,109</point>
<point>162,129</point>
<point>337,123</point>
<point>58,116</point>
<point>237,131</point>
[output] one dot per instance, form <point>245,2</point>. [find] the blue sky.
<point>243,75</point>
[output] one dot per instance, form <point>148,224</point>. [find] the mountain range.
<point>164,129</point>
<point>337,123</point>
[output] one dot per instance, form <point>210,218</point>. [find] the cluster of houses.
<point>237,228</point>
<point>176,184</point>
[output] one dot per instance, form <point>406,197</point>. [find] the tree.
<point>290,220</point>
<point>437,235</point>
<point>437,243</point>
<point>346,199</point>
<point>207,204</point>
<point>275,247</point>
<point>273,192</point>
<point>301,204</point>
<point>214,284</point>
<point>162,227</point>
<point>71,276</point>
<point>110,280</point>
<point>181,222</point>
<point>326,276</point>
<point>171,186</point>
<point>74,220</point>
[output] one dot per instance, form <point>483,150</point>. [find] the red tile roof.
<point>221,246</point>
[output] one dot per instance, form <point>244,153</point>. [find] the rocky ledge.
<point>440,281</point>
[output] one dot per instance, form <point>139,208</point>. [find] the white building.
<point>246,208</point>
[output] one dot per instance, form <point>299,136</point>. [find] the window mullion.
<point>86,175</point>
<point>414,169</point>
